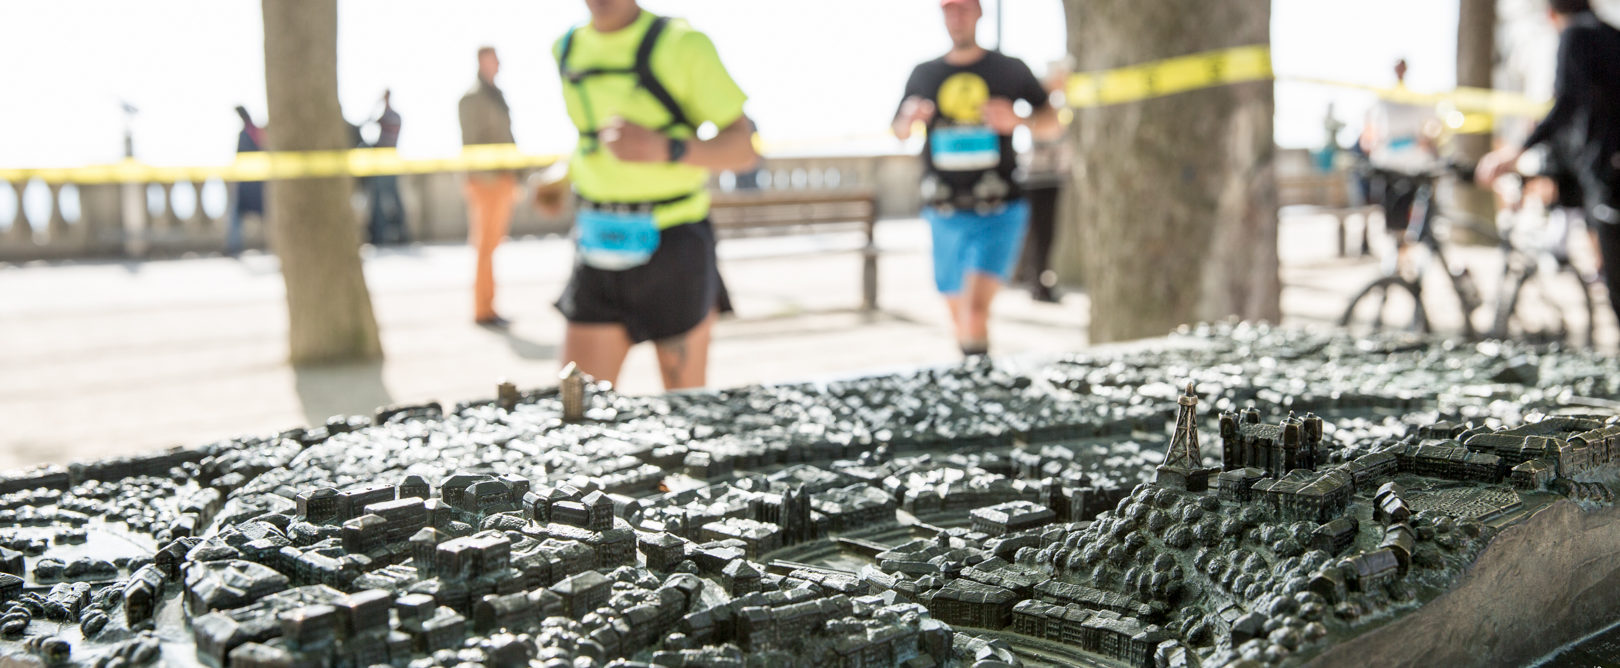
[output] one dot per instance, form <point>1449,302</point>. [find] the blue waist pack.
<point>615,240</point>
<point>966,148</point>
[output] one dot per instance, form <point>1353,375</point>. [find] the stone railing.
<point>40,221</point>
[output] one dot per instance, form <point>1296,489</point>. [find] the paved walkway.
<point>109,358</point>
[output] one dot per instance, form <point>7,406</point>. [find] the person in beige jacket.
<point>485,119</point>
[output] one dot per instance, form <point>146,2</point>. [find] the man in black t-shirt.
<point>972,201</point>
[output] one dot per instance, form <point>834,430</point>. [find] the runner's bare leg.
<point>598,349</point>
<point>684,359</point>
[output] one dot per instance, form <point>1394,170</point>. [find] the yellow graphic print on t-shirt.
<point>962,97</point>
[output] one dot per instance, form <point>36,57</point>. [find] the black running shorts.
<point>666,297</point>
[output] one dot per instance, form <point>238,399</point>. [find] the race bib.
<point>615,241</point>
<point>966,149</point>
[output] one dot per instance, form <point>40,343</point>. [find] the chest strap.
<point>641,70</point>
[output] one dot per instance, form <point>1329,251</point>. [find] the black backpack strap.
<point>562,56</point>
<point>650,83</point>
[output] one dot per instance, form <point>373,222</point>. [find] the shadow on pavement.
<point>340,389</point>
<point>527,348</point>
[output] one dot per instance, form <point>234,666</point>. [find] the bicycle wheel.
<point>1389,304</point>
<point>1552,308</point>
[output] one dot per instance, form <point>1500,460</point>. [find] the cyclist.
<point>637,87</point>
<point>974,206</point>
<point>1583,127</point>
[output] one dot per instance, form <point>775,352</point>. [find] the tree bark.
<point>1176,198</point>
<point>312,228</point>
<point>1476,61</point>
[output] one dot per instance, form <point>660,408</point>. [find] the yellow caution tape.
<point>1464,110</point>
<point>1168,77</point>
<point>1246,64</point>
<point>267,166</point>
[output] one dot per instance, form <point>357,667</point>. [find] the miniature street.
<point>1290,496</point>
<point>185,352</point>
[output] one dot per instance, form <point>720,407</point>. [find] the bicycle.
<point>1541,296</point>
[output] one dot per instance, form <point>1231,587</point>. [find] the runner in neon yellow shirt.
<point>637,87</point>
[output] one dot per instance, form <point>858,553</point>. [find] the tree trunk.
<point>1176,199</point>
<point>312,228</point>
<point>1476,60</point>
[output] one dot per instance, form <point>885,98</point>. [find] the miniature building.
<point>582,593</point>
<point>1276,449</point>
<point>310,628</point>
<point>444,630</point>
<point>1533,474</point>
<point>141,595</point>
<point>365,612</point>
<point>661,550</point>
<point>351,503</point>
<point>424,547</point>
<point>1011,517</point>
<point>318,506</point>
<point>1368,469</point>
<point>402,517</point>
<point>571,384</point>
<point>512,612</point>
<point>453,489</point>
<point>1237,485</point>
<point>1388,505</point>
<point>1330,584</point>
<point>1183,466</point>
<point>1063,593</point>
<point>415,486</point>
<point>232,583</point>
<point>740,577</point>
<point>1336,536</point>
<point>970,603</point>
<point>1450,461</point>
<point>789,510</point>
<point>366,533</point>
<point>473,556</point>
<point>11,586</point>
<point>506,395</point>
<point>758,538</point>
<point>1303,496</point>
<point>1399,539</point>
<point>598,511</point>
<point>414,610</point>
<point>854,507</point>
<point>1369,570</point>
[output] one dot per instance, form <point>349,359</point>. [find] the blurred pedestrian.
<point>249,194</point>
<point>975,208</point>
<point>1397,145</point>
<point>486,119</point>
<point>387,220</point>
<point>637,86</point>
<point>1046,174</point>
<point>1583,127</point>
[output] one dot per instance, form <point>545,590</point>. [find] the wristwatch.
<point>677,149</point>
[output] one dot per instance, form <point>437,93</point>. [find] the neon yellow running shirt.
<point>685,62</point>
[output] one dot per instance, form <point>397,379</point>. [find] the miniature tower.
<point>1183,466</point>
<point>572,385</point>
<point>506,395</point>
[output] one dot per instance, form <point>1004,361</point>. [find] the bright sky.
<point>828,69</point>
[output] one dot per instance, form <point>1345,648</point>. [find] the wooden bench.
<point>1327,194</point>
<point>761,212</point>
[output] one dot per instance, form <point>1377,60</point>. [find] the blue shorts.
<point>966,241</point>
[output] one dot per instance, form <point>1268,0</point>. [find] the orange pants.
<point>489,214</point>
